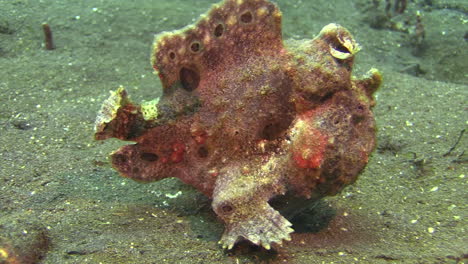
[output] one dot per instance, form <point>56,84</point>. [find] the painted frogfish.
<point>246,117</point>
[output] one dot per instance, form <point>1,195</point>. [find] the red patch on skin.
<point>178,150</point>
<point>309,148</point>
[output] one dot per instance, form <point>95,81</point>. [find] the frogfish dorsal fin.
<point>228,34</point>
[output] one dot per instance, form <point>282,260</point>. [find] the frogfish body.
<point>245,117</point>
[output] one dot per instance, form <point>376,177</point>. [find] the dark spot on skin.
<point>268,131</point>
<point>219,30</point>
<point>246,17</point>
<point>338,118</point>
<point>189,79</point>
<point>356,119</point>
<point>195,47</point>
<point>227,208</point>
<point>202,152</point>
<point>319,99</point>
<point>172,55</point>
<point>151,157</point>
<point>275,130</point>
<point>359,115</point>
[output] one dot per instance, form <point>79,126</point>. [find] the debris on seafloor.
<point>48,39</point>
<point>245,117</point>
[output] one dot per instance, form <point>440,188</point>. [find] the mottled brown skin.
<point>244,117</point>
